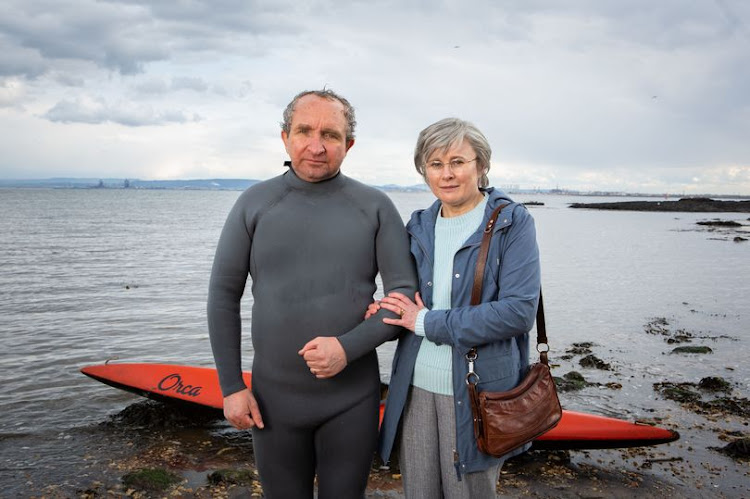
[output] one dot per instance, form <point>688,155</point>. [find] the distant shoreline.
<point>234,184</point>
<point>694,205</point>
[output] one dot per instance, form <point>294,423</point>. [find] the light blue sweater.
<point>432,371</point>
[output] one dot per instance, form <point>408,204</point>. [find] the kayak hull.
<point>580,430</point>
<point>200,386</point>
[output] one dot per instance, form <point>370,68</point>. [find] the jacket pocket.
<point>498,366</point>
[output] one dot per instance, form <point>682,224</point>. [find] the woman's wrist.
<point>419,322</point>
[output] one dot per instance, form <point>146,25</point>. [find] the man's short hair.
<point>351,121</point>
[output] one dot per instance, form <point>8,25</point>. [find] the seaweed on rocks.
<point>683,393</point>
<point>574,381</point>
<point>152,414</point>
<point>242,482</point>
<point>693,349</point>
<point>660,326</point>
<point>723,229</point>
<point>697,397</point>
<point>571,381</point>
<point>714,384</point>
<point>728,405</point>
<point>232,477</point>
<point>582,348</point>
<point>680,336</point>
<point>151,479</point>
<point>657,325</point>
<point>737,449</point>
<point>720,223</point>
<point>592,360</point>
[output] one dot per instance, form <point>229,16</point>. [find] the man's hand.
<point>324,356</point>
<point>372,309</point>
<point>241,410</point>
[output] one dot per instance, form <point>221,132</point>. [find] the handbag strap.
<point>476,291</point>
<point>484,249</point>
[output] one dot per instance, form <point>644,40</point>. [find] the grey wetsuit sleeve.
<point>397,271</point>
<point>226,287</point>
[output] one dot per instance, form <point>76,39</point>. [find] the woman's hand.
<point>372,309</point>
<point>400,304</point>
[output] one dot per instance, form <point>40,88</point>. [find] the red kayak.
<point>200,385</point>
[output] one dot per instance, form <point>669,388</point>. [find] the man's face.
<point>316,142</point>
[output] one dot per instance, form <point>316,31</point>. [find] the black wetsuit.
<point>313,251</point>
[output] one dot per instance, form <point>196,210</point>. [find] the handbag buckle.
<point>543,348</point>
<point>472,378</point>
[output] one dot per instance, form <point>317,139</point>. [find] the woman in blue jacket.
<point>428,403</point>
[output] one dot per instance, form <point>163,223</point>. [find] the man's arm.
<point>328,356</point>
<point>227,284</point>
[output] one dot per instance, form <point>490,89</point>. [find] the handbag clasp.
<point>472,378</point>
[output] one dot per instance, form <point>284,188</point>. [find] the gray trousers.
<point>426,455</point>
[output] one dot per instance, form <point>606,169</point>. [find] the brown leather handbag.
<point>504,421</point>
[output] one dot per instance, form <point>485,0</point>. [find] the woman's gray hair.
<point>351,121</point>
<point>450,132</point>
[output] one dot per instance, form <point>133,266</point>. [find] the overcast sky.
<point>637,95</point>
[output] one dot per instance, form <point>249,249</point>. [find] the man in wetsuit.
<point>312,240</point>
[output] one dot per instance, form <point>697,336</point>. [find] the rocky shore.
<point>152,449</point>
<point>193,463</point>
<point>164,450</point>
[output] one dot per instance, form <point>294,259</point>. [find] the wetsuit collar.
<point>323,186</point>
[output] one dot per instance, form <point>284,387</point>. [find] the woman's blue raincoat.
<point>499,327</point>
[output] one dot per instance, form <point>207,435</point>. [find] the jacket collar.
<point>422,222</point>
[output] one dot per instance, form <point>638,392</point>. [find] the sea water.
<point>88,275</point>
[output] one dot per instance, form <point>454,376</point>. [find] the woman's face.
<point>453,176</point>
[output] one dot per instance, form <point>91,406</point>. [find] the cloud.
<point>20,61</point>
<point>159,86</point>
<point>591,93</point>
<point>96,111</point>
<point>12,92</point>
<point>113,36</point>
<point>125,36</point>
<point>189,83</point>
<point>153,86</point>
